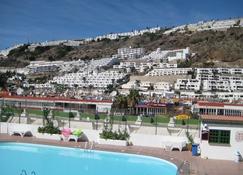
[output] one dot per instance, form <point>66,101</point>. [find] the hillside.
<point>212,48</point>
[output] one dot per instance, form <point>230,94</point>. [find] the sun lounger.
<point>74,138</point>
<point>20,129</point>
<point>67,135</point>
<point>175,145</point>
<point>21,133</point>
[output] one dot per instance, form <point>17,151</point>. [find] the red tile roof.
<point>217,104</point>
<point>206,103</point>
<point>222,118</point>
<point>55,99</point>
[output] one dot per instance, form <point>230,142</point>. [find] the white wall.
<point>154,140</point>
<point>8,127</point>
<point>217,151</point>
<point>149,140</point>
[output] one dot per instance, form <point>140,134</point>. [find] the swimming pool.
<point>31,159</point>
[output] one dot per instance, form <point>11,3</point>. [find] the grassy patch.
<point>130,118</point>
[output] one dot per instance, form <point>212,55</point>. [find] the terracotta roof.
<point>206,103</point>
<point>222,118</point>
<point>218,104</point>
<point>55,99</point>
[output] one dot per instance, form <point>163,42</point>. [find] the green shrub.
<point>49,128</point>
<point>114,135</point>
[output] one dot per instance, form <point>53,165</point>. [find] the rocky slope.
<point>212,48</point>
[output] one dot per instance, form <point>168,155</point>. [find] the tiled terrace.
<point>188,164</point>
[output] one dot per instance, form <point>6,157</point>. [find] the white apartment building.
<point>218,77</point>
<point>113,36</point>
<point>169,55</point>
<point>223,85</point>
<point>212,95</point>
<point>96,80</point>
<point>169,71</point>
<point>140,66</point>
<point>178,54</point>
<point>36,67</point>
<point>156,55</point>
<point>102,62</point>
<point>207,25</point>
<point>163,86</point>
<point>216,71</point>
<point>146,85</point>
<point>130,53</point>
<point>188,84</point>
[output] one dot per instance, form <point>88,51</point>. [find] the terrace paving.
<point>187,164</point>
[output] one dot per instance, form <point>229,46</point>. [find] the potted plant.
<point>190,141</point>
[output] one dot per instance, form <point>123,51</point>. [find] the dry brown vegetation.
<point>212,48</point>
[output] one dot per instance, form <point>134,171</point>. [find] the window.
<point>219,136</point>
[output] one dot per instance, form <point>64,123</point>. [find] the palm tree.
<point>133,98</point>
<point>120,102</point>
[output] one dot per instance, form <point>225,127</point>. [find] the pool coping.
<point>182,165</point>
<point>186,163</point>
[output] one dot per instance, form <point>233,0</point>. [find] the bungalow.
<point>221,137</point>
<point>57,103</point>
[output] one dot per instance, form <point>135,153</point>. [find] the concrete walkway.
<point>186,163</point>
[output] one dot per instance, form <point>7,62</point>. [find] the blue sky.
<point>40,20</point>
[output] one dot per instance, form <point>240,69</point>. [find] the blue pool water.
<point>31,159</point>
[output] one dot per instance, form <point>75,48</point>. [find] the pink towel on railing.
<point>66,132</point>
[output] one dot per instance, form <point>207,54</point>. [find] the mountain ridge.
<point>212,47</point>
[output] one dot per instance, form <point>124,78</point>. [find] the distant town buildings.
<point>169,71</point>
<point>130,53</point>
<point>94,80</point>
<point>208,25</point>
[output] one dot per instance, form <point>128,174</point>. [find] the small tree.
<point>7,111</point>
<point>45,115</point>
<point>70,115</point>
<point>97,117</point>
<point>151,120</point>
<point>124,119</point>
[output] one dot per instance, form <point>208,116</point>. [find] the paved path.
<point>187,163</point>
